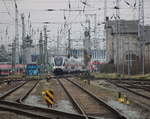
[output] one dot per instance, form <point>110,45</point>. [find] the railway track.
<point>20,92</point>
<point>139,87</point>
<point>136,85</point>
<point>139,90</point>
<point>139,94</point>
<point>10,90</point>
<point>13,101</point>
<point>87,103</point>
<point>37,112</point>
<point>124,79</point>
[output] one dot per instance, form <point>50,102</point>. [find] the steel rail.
<point>143,82</point>
<point>100,101</point>
<point>74,102</point>
<point>22,98</point>
<point>146,106</point>
<point>124,79</point>
<point>11,91</point>
<point>134,92</point>
<point>133,82</point>
<point>34,111</point>
<point>136,86</point>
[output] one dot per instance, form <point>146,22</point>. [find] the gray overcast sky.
<point>37,8</point>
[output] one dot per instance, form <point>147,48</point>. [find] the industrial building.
<point>123,45</point>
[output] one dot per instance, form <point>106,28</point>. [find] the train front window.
<point>58,61</point>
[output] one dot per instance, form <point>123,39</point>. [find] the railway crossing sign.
<point>48,95</point>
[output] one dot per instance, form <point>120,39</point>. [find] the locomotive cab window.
<point>58,61</point>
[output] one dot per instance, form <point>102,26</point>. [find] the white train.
<point>62,65</point>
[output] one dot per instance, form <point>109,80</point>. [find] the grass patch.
<point>114,76</point>
<point>105,75</point>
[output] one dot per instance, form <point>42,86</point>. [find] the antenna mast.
<point>15,49</point>
<point>117,7</point>
<point>23,39</point>
<point>141,33</point>
<point>105,10</point>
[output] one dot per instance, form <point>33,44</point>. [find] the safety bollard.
<point>48,95</point>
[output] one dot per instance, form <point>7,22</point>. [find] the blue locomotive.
<point>32,69</point>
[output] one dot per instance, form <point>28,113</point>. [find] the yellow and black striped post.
<point>120,98</point>
<point>48,95</point>
<point>123,98</point>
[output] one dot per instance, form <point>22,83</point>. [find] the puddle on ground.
<point>62,105</point>
<point>131,114</point>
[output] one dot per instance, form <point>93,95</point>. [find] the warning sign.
<point>48,95</point>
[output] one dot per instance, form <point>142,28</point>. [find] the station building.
<point>123,45</point>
